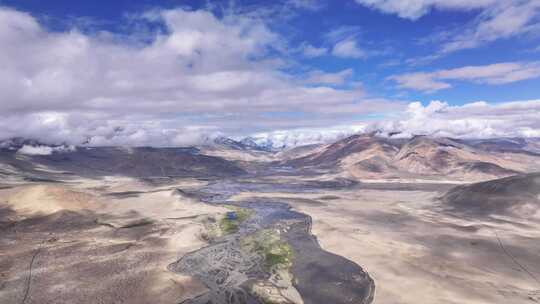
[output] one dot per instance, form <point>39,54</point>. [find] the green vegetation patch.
<point>231,222</point>
<point>241,213</point>
<point>277,254</point>
<point>229,226</point>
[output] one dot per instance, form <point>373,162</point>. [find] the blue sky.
<point>297,69</point>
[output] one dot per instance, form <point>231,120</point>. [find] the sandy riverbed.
<point>417,254</point>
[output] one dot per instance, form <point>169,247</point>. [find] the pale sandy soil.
<point>47,199</point>
<point>414,252</point>
<point>90,247</point>
<point>419,255</point>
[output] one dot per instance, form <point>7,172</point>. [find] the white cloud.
<point>506,19</point>
<point>493,74</point>
<point>96,129</point>
<point>311,51</point>
<point>44,150</point>
<point>414,9</point>
<point>307,136</point>
<point>200,76</point>
<point>38,150</point>
<point>499,73</point>
<point>348,48</point>
<point>495,19</point>
<point>437,118</point>
<point>205,76</point>
<point>472,120</point>
<point>420,81</point>
<point>344,41</point>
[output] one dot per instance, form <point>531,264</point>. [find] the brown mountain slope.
<point>516,145</point>
<point>333,154</point>
<point>370,156</point>
<point>135,162</point>
<point>517,195</point>
<point>443,156</point>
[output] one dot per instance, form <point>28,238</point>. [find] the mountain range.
<point>373,156</point>
<point>361,156</point>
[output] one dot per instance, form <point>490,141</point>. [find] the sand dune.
<point>49,199</point>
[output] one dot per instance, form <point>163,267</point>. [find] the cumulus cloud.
<point>472,120</point>
<point>197,77</point>
<point>38,150</point>
<point>493,74</point>
<point>200,76</point>
<point>437,118</point>
<point>97,129</point>
<point>348,48</point>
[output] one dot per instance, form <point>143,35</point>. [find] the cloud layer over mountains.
<point>199,75</point>
<point>185,76</point>
<point>473,120</point>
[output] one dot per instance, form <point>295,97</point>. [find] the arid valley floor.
<point>363,220</point>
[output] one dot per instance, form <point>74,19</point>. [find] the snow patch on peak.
<point>284,139</point>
